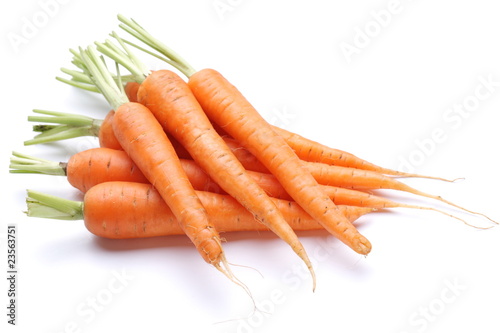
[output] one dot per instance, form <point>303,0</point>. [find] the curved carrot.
<point>98,165</point>
<point>229,109</point>
<point>312,151</point>
<point>124,210</point>
<point>173,104</point>
<point>144,140</point>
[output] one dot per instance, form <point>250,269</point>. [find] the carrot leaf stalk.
<point>21,163</point>
<point>173,58</point>
<point>49,206</point>
<point>69,126</point>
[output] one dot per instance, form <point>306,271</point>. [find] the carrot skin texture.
<point>227,107</point>
<point>171,101</point>
<point>98,165</point>
<point>144,140</point>
<point>108,139</point>
<point>123,210</point>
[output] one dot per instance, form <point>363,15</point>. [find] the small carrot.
<point>124,210</point>
<point>144,140</point>
<point>177,110</point>
<point>227,107</point>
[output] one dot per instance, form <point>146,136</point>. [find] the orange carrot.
<point>171,101</point>
<point>309,150</point>
<point>228,108</point>
<point>144,140</point>
<point>124,210</point>
<point>131,89</point>
<point>107,136</point>
<point>369,180</point>
<point>94,166</point>
<point>306,149</point>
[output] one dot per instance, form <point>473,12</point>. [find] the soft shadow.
<point>134,244</point>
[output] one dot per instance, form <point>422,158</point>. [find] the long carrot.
<point>312,151</point>
<point>177,110</point>
<point>369,180</point>
<point>227,107</point>
<point>122,210</point>
<point>98,165</point>
<point>142,137</point>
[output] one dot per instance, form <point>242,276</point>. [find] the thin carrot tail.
<point>401,174</point>
<point>402,205</point>
<point>223,266</point>
<point>410,189</point>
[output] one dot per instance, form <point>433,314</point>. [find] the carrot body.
<point>144,140</point>
<point>354,178</point>
<point>227,107</point>
<point>177,110</point>
<point>131,89</point>
<point>98,165</point>
<point>106,135</point>
<point>122,210</point>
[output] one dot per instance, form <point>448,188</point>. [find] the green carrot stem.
<point>134,29</point>
<point>21,163</point>
<point>95,68</point>
<point>79,85</point>
<point>49,206</point>
<point>70,126</point>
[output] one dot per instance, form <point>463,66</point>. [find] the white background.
<point>426,273</point>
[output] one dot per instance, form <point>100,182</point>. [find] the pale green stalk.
<point>49,206</point>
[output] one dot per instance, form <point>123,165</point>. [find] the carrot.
<point>369,180</point>
<point>177,110</point>
<point>98,165</point>
<point>123,210</point>
<point>144,140</point>
<point>84,169</point>
<point>227,107</point>
<point>131,89</point>
<point>107,137</point>
<point>309,150</point>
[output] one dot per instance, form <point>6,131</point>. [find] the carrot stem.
<point>102,78</point>
<point>21,163</point>
<point>133,28</point>
<point>49,206</point>
<point>70,126</point>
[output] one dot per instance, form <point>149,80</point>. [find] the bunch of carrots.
<point>194,157</point>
